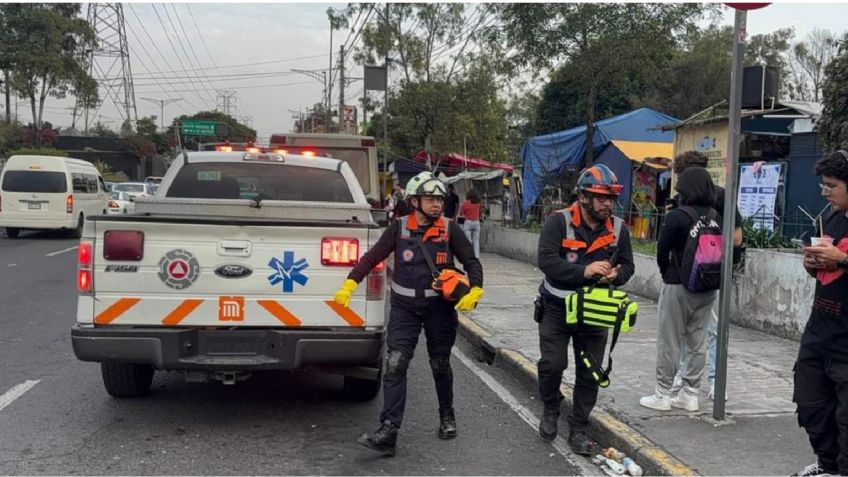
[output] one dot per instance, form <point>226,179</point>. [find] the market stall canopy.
<point>458,161</point>
<point>555,153</point>
<point>625,157</point>
<point>647,152</point>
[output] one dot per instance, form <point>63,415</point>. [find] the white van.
<point>46,192</point>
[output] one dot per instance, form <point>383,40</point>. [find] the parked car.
<point>134,189</point>
<point>120,203</point>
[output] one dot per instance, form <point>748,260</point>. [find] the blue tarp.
<point>546,157</point>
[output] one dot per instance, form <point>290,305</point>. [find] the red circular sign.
<point>178,269</point>
<point>747,6</point>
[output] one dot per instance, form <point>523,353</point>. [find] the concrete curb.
<point>603,426</point>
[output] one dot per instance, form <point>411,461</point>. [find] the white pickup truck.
<point>231,268</point>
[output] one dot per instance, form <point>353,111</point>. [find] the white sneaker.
<point>656,401</point>
<point>685,401</point>
<point>711,395</point>
<point>812,470</point>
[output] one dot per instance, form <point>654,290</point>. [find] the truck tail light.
<point>85,260</point>
<point>370,142</point>
<point>123,245</point>
<point>69,204</point>
<point>376,286</point>
<point>339,251</point>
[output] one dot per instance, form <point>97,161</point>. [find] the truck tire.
<point>77,232</point>
<point>12,232</point>
<point>123,380</point>
<point>359,389</point>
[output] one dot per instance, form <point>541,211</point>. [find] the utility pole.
<point>162,103</point>
<point>329,98</point>
<point>341,87</point>
<point>386,102</point>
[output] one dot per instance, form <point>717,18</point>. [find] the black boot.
<point>581,443</point>
<point>447,424</point>
<point>548,424</point>
<point>382,440</point>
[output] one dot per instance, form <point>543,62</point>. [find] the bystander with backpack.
<point>689,254</point>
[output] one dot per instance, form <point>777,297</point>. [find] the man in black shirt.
<point>451,203</point>
<point>415,305</point>
<point>821,371</point>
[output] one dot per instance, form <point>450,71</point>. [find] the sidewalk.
<point>761,435</point>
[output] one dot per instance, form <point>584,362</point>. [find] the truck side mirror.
<point>381,217</point>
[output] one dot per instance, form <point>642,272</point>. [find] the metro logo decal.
<point>288,271</point>
<point>231,308</point>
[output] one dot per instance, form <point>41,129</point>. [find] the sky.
<point>251,49</point>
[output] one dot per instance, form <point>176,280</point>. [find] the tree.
<point>697,75</point>
<point>597,40</point>
<point>232,131</point>
<point>446,99</point>
<point>833,125</point>
<point>811,56</point>
<point>102,130</point>
<point>11,137</point>
<point>50,54</point>
<point>146,126</point>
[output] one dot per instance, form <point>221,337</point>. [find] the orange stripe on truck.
<point>115,310</point>
<point>279,312</point>
<point>346,313</point>
<point>186,307</point>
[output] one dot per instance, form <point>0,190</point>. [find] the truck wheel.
<point>124,380</point>
<point>77,232</point>
<point>360,389</point>
<point>12,232</point>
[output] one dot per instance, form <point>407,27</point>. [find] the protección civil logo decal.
<point>178,269</point>
<point>288,271</point>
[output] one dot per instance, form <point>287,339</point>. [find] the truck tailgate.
<point>201,273</point>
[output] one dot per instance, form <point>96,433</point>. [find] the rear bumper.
<point>227,350</point>
<point>46,223</point>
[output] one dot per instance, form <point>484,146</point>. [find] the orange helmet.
<point>599,179</point>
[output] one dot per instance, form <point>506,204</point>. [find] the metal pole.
<point>342,125</point>
<point>729,222</point>
<point>386,104</point>
<point>330,81</point>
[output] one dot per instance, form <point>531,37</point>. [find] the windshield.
<point>247,180</point>
<point>129,187</point>
<point>35,181</point>
<point>357,159</point>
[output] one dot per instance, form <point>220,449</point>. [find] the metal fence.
<point>760,230</point>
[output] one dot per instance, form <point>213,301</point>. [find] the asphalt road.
<point>56,418</point>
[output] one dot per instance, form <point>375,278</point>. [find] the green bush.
<point>35,151</point>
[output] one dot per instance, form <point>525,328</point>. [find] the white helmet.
<point>425,183</point>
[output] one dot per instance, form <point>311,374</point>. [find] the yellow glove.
<point>342,297</point>
<point>469,301</point>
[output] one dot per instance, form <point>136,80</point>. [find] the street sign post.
<point>197,127</point>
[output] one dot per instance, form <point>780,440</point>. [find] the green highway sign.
<point>196,127</point>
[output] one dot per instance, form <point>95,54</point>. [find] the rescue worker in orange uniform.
<point>416,305</point>
<point>578,246</point>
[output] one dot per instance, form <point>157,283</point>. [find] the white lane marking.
<point>52,254</point>
<point>12,265</point>
<point>16,392</point>
<point>586,468</point>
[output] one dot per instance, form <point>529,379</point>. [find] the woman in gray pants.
<point>683,315</point>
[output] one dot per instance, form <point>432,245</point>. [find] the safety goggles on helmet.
<point>425,184</point>
<point>599,179</point>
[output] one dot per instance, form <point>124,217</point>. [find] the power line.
<point>180,22</point>
<point>150,57</point>
<point>241,87</point>
<point>161,55</point>
<point>174,49</point>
